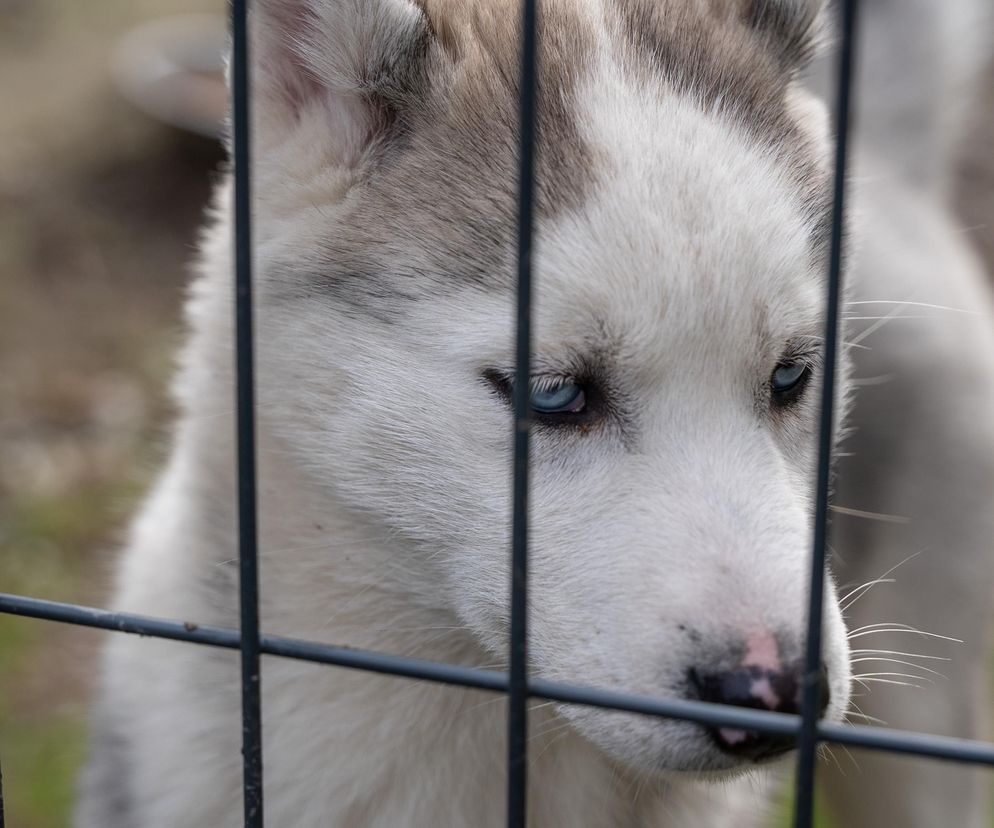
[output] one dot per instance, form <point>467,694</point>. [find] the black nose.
<point>761,689</point>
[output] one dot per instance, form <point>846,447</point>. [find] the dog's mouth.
<point>661,747</point>
<point>755,688</point>
<point>665,748</point>
<point>751,745</point>
<point>731,751</point>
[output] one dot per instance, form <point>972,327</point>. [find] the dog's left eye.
<point>788,381</point>
<point>554,401</point>
<point>565,398</point>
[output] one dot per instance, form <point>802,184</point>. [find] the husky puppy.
<point>683,197</point>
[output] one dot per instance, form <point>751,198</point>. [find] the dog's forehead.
<point>693,233</point>
<point>703,50</point>
<point>669,136</point>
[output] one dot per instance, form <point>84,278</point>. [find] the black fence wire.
<point>248,558</point>
<point>807,727</point>
<point>811,680</point>
<point>517,710</point>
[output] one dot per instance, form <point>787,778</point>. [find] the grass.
<point>46,672</point>
<point>785,809</point>
<point>41,782</point>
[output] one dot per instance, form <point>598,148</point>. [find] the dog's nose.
<point>760,688</point>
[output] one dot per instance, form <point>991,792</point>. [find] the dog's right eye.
<point>788,381</point>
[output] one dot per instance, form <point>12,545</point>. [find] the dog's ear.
<point>794,28</point>
<point>353,63</point>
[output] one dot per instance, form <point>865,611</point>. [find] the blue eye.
<point>566,398</point>
<point>789,376</point>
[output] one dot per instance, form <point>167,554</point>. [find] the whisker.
<point>557,738</point>
<point>851,757</point>
<point>638,790</point>
<point>899,653</point>
<point>485,703</point>
<point>845,603</point>
<point>865,382</point>
<point>548,731</point>
<point>878,318</point>
<point>883,579</point>
<point>328,621</point>
<point>898,661</point>
<point>825,752</point>
<point>872,329</point>
<point>865,718</point>
<point>864,681</point>
<point>894,675</point>
<point>914,304</point>
<point>861,513</point>
<point>841,342</point>
<point>881,624</point>
<point>896,626</point>
<point>909,631</point>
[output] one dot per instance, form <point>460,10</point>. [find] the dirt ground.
<point>99,207</point>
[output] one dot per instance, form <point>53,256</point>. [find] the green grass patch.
<point>41,763</point>
<point>46,546</point>
<point>785,808</point>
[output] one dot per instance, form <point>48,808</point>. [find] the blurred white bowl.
<point>173,69</point>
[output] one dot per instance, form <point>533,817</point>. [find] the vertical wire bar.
<point>245,392</point>
<point>811,688</point>
<point>1,798</point>
<point>517,714</point>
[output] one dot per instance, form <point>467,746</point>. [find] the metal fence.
<point>516,683</point>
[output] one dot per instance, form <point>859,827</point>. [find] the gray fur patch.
<point>443,179</point>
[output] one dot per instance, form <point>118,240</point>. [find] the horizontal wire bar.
<point>269,644</point>
<point>947,748</point>
<point>715,715</point>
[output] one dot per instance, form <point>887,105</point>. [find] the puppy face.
<point>682,203</point>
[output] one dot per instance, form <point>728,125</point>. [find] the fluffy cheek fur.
<point>647,560</point>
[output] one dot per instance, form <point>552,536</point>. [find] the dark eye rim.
<point>580,395</point>
<point>784,397</point>
<point>591,412</point>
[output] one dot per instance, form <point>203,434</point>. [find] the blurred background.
<point>106,161</point>
<point>99,208</point>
